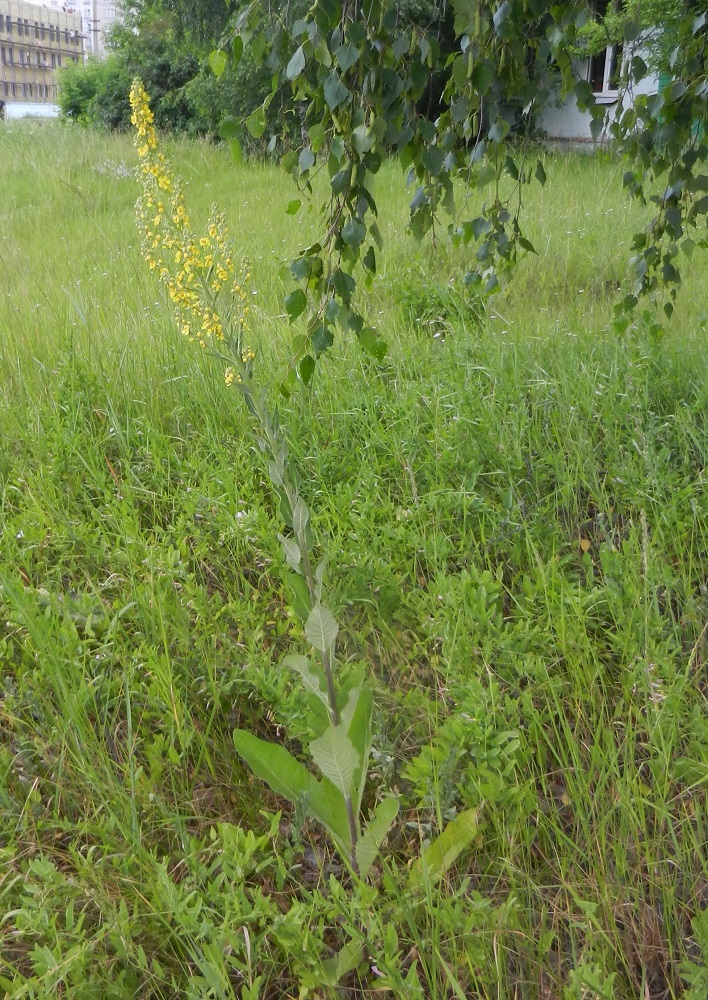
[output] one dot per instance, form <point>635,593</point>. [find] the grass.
<point>513,509</point>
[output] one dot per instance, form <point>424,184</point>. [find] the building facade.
<point>563,121</point>
<point>97,17</point>
<point>35,41</point>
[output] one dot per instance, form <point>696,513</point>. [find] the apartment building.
<point>97,16</point>
<point>35,41</point>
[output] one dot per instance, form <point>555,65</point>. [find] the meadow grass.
<point>513,508</point>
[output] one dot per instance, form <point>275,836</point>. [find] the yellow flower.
<point>197,271</point>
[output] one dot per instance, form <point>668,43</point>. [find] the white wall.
<point>564,121</point>
<point>25,109</point>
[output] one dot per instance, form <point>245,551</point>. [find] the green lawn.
<point>514,511</point>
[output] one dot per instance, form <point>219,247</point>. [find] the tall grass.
<point>513,508</point>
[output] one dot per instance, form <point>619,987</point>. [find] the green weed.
<point>513,518</point>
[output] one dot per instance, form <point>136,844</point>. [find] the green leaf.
<point>291,779</point>
<point>322,338</point>
<point>293,206</point>
<point>313,679</point>
<point>295,304</point>
<point>359,732</point>
<point>631,30</point>
<point>583,93</point>
<point>291,550</point>
<point>511,168</point>
<point>299,594</point>
<point>335,93</point>
<point>306,159</point>
<point>322,54</point>
<point>433,159</point>
<point>369,260</point>
<point>369,845</point>
<point>540,173</point>
<point>362,139</point>
<point>296,64</point>
<point>335,756</point>
<point>321,628</point>
<point>301,515</point>
<point>276,766</point>
<point>439,856</point>
<point>346,55</point>
<point>218,61</point>
<point>482,77</point>
<point>354,233</point>
<point>498,131</point>
<point>639,69</point>
<point>256,123</point>
<point>500,16</point>
<point>237,49</point>
<point>230,128</point>
<point>340,181</point>
<point>316,134</point>
<point>348,958</point>
<point>372,343</point>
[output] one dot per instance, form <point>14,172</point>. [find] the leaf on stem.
<point>292,552</point>
<point>335,756</point>
<point>321,628</point>
<point>313,678</point>
<point>369,845</point>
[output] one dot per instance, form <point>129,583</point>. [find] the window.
<point>36,29</point>
<point>606,65</point>
<point>54,60</point>
<point>66,36</point>
<point>8,24</point>
<point>41,29</point>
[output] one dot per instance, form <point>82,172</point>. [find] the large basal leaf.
<point>291,779</point>
<point>276,766</point>
<point>367,849</point>
<point>327,805</point>
<point>321,628</point>
<point>438,857</point>
<point>335,756</point>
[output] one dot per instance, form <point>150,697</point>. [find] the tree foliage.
<point>360,72</point>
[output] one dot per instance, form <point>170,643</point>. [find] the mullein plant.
<point>209,293</point>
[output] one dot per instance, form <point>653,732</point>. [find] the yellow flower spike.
<point>183,260</point>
